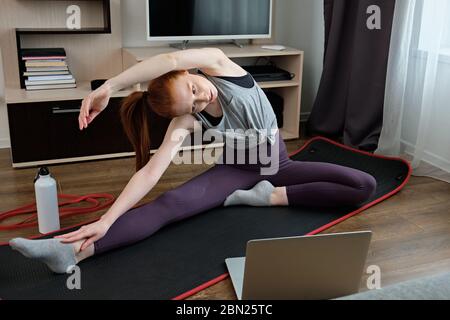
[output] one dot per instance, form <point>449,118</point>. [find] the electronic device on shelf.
<point>277,47</point>
<point>208,20</point>
<point>96,83</point>
<point>268,73</point>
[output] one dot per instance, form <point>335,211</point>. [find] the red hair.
<point>135,113</point>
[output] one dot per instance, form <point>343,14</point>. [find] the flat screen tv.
<point>208,19</point>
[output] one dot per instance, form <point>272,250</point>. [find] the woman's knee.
<point>367,187</point>
<point>172,197</point>
<point>180,201</point>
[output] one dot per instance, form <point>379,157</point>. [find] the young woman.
<point>222,96</point>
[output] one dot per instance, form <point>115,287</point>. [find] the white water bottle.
<point>46,201</point>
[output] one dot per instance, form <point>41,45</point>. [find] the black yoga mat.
<point>188,255</point>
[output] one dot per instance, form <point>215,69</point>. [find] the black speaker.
<point>97,83</point>
<point>277,103</point>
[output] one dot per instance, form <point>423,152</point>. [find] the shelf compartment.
<point>27,31</point>
<point>278,84</point>
<point>19,32</point>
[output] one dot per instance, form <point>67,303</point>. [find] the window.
<point>434,24</point>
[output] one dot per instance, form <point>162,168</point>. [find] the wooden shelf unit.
<point>289,59</point>
<point>106,28</point>
<point>17,95</point>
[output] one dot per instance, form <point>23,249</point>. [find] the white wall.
<point>4,128</point>
<point>437,150</point>
<point>300,24</point>
<point>133,24</point>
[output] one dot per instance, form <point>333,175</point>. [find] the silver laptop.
<point>307,267</point>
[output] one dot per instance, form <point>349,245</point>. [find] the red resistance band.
<point>63,212</point>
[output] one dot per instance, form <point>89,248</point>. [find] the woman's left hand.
<point>91,233</point>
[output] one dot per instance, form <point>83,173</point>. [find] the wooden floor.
<point>411,230</point>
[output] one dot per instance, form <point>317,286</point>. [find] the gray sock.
<point>59,257</point>
<point>258,196</point>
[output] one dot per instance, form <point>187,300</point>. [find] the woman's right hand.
<point>90,233</point>
<point>93,104</point>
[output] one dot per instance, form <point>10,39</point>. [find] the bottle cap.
<point>43,171</point>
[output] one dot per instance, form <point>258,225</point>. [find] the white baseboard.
<point>5,143</point>
<point>429,157</point>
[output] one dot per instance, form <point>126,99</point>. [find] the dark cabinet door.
<point>103,136</point>
<point>66,140</point>
<point>29,125</point>
<point>49,130</point>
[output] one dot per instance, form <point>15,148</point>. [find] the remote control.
<point>274,47</point>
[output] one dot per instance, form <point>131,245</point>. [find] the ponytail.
<point>134,115</point>
<point>139,106</point>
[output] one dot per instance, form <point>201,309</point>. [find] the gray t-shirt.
<point>248,116</point>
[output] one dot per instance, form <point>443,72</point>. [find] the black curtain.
<point>349,102</point>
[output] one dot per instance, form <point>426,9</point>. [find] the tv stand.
<point>234,41</point>
<point>183,45</point>
<point>290,59</point>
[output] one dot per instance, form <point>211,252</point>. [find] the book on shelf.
<point>45,73</point>
<point>39,53</point>
<point>43,63</point>
<point>29,83</point>
<point>63,68</point>
<point>51,77</point>
<point>44,58</point>
<point>45,68</point>
<point>52,86</point>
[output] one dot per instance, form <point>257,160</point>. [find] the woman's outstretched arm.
<point>139,185</point>
<point>153,67</point>
<point>149,69</point>
<point>146,178</point>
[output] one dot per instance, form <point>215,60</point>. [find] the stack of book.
<point>46,68</point>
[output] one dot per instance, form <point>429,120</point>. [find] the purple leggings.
<point>307,184</point>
